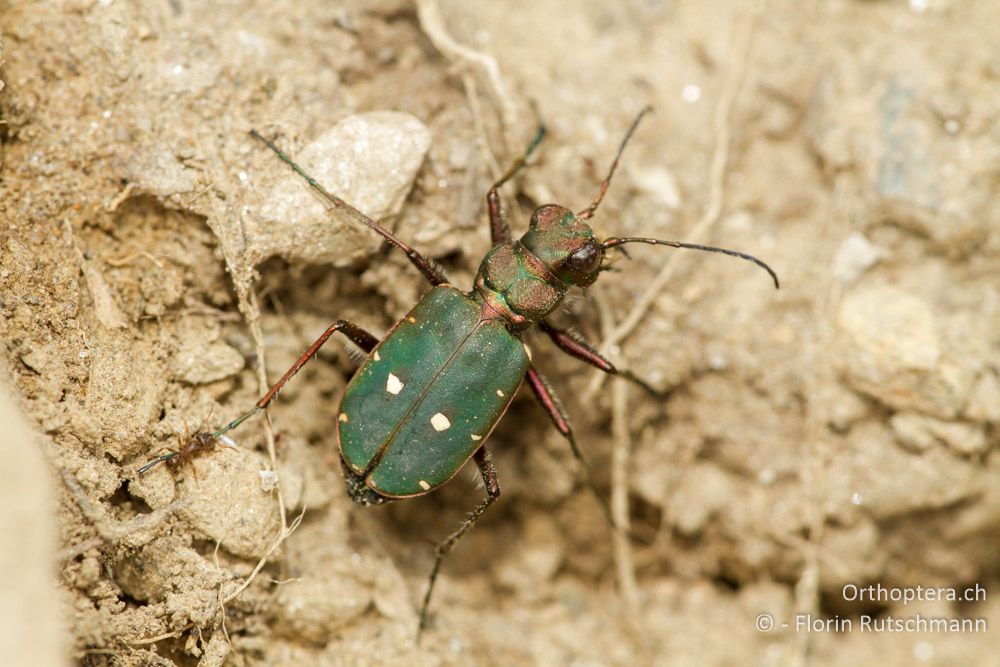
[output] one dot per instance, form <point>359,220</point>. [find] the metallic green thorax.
<point>429,394</point>
<point>523,281</point>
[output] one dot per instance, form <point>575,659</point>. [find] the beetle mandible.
<point>428,394</point>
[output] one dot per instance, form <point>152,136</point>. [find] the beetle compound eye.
<point>585,260</point>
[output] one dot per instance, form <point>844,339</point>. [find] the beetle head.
<point>565,244</point>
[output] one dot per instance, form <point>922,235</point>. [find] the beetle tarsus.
<point>489,474</point>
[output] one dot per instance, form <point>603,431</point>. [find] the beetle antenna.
<point>152,464</point>
<point>589,211</point>
<point>617,241</point>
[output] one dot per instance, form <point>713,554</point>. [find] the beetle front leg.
<point>489,474</point>
<point>576,346</point>
<point>499,229</point>
<point>355,333</point>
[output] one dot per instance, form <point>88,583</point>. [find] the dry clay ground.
<point>841,430</point>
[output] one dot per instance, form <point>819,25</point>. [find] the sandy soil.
<point>156,264</point>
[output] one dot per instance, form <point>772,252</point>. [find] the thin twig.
<point>472,94</point>
<point>811,469</point>
<point>285,530</point>
<point>621,448</point>
<point>258,338</point>
<point>429,13</point>
<point>239,590</point>
<point>120,262</point>
<point>620,454</point>
<point>121,198</point>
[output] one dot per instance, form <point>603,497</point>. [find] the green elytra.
<point>421,405</point>
<point>430,392</point>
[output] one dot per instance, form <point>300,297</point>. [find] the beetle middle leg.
<point>576,346</point>
<point>499,229</point>
<point>353,332</point>
<point>489,474</point>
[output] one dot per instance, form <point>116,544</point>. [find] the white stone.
<point>855,256</point>
<point>368,160</point>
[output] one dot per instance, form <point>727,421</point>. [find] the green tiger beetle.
<point>428,394</point>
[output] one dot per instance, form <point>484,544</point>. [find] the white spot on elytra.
<point>500,393</point>
<point>527,351</point>
<point>393,384</point>
<point>475,437</point>
<point>440,422</point>
<point>424,485</point>
<point>343,417</point>
<point>376,357</point>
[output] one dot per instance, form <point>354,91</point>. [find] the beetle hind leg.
<point>353,332</point>
<point>489,474</point>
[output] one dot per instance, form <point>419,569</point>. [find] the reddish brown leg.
<point>356,334</point>
<point>545,395</point>
<point>430,270</point>
<point>574,345</point>
<point>489,474</point>
<point>499,230</point>
<point>589,211</point>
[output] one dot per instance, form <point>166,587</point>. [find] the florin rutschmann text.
<point>868,623</point>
